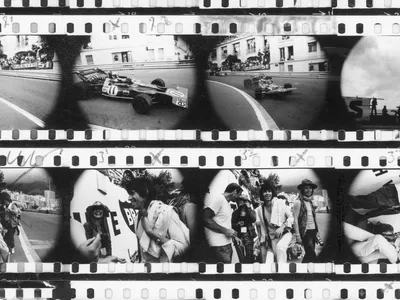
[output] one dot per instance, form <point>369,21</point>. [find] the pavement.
<point>38,233</point>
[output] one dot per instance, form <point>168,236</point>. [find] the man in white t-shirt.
<point>217,221</point>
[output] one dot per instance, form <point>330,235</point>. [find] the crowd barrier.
<point>51,75</point>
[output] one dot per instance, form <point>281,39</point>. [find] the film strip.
<point>98,185</point>
<point>253,290</point>
<point>207,158</point>
<point>196,25</point>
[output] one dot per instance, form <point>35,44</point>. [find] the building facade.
<point>275,53</point>
<point>126,48</point>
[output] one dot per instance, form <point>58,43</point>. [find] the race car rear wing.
<point>83,75</point>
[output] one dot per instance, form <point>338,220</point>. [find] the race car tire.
<point>258,93</point>
<point>141,104</point>
<point>159,82</point>
<point>247,83</point>
<point>287,86</point>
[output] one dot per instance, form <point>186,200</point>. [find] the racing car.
<point>264,85</point>
<point>142,95</point>
<point>215,70</point>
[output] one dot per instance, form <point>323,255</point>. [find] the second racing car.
<point>264,85</point>
<point>142,95</point>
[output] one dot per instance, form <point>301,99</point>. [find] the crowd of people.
<point>9,222</point>
<point>271,232</point>
<point>166,229</point>
<point>23,58</point>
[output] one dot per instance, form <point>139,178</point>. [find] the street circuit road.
<point>303,109</point>
<point>42,231</point>
<point>25,102</point>
<point>119,114</point>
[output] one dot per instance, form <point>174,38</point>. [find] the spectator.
<point>243,219</point>
<point>11,220</point>
<point>274,225</point>
<point>162,236</point>
<point>305,221</point>
<point>217,220</point>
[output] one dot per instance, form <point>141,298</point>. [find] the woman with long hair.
<point>274,225</point>
<point>162,236</point>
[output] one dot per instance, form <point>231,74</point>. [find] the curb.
<point>27,247</point>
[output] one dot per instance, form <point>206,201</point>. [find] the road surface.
<point>38,235</point>
<point>302,109</point>
<point>25,103</point>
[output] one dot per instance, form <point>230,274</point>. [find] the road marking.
<point>39,122</point>
<point>27,115</point>
<point>30,254</point>
<point>266,121</point>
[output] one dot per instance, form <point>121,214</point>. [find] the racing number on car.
<point>112,90</point>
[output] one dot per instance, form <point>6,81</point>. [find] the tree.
<point>2,183</point>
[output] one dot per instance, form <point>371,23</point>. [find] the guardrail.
<point>53,76</point>
<point>32,74</point>
<point>321,75</point>
<point>178,64</point>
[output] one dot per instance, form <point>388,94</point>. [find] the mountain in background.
<point>30,188</point>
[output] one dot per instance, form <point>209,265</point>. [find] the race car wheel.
<point>247,83</point>
<point>287,86</point>
<point>141,104</point>
<point>159,82</point>
<point>258,93</point>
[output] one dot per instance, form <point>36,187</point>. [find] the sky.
<point>372,69</point>
<point>29,175</point>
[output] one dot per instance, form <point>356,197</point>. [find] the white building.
<point>286,53</point>
<point>127,48</point>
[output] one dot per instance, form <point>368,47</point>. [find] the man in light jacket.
<point>274,225</point>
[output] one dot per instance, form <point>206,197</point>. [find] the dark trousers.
<point>222,254</point>
<point>9,237</point>
<point>309,240</point>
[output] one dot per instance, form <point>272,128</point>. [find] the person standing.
<point>217,216</point>
<point>274,225</point>
<point>305,222</point>
<point>243,219</point>
<point>373,106</point>
<point>11,220</point>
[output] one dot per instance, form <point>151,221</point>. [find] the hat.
<point>307,182</point>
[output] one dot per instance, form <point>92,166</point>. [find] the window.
<point>125,37</point>
<point>115,36</point>
<point>214,54</point>
<point>125,57</point>
<point>282,53</point>
<point>110,37</point>
<point>151,54</point>
<point>116,57</point>
<point>89,59</point>
<point>224,52</point>
<point>251,46</point>
<point>290,52</point>
<point>236,49</point>
<point>290,68</point>
<point>161,53</point>
<point>312,47</point>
